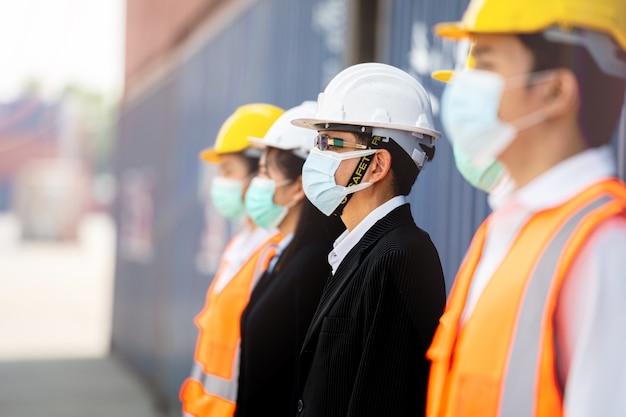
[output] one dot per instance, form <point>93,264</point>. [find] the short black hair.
<point>601,95</point>
<point>403,168</point>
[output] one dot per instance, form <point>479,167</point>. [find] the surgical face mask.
<point>469,112</point>
<point>260,203</point>
<point>318,178</point>
<point>227,197</point>
<point>484,175</point>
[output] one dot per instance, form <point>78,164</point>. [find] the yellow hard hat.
<point>248,120</point>
<point>598,25</point>
<point>530,16</point>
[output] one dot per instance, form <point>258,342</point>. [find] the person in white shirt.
<point>535,321</point>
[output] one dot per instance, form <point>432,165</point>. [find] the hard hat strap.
<point>359,172</point>
<point>606,53</point>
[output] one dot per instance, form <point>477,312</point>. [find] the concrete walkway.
<point>99,387</point>
<point>55,328</point>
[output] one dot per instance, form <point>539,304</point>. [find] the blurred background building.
<point>188,65</point>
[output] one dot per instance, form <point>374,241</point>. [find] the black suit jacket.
<point>364,353</point>
<point>273,327</point>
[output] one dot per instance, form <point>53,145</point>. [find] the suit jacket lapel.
<point>337,282</point>
<point>334,287</point>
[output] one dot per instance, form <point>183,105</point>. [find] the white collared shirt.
<point>239,250</point>
<point>286,240</point>
<point>348,239</point>
<point>590,320</point>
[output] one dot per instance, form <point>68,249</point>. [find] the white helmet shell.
<point>375,95</point>
<point>284,135</point>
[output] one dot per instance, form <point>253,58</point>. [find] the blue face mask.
<point>260,203</point>
<point>469,111</point>
<point>227,197</point>
<point>482,175</point>
<point>318,178</point>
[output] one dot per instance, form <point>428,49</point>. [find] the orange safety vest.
<point>501,361</point>
<point>211,390</point>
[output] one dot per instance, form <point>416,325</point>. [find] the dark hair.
<point>289,164</point>
<point>252,163</point>
<point>403,168</point>
<point>313,226</point>
<point>601,96</point>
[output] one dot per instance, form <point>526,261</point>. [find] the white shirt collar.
<point>286,240</point>
<point>348,239</point>
<point>564,180</point>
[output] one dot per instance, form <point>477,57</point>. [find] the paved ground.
<point>99,387</point>
<point>55,326</point>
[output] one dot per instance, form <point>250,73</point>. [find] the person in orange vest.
<point>534,324</point>
<point>283,302</point>
<point>211,388</point>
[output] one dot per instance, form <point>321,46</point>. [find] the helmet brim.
<point>452,30</point>
<point>210,155</point>
<point>442,75</point>
<point>257,142</point>
<point>315,124</point>
<point>213,156</point>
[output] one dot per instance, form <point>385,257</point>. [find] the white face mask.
<point>469,112</point>
<point>318,178</point>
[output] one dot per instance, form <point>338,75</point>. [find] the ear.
<point>297,189</point>
<point>562,94</point>
<point>380,166</point>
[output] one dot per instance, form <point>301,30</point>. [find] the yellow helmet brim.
<point>211,156</point>
<point>442,75</point>
<point>451,30</point>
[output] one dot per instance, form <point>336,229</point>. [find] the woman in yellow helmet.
<point>211,388</point>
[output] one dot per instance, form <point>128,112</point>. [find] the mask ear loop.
<point>359,172</point>
<point>288,181</point>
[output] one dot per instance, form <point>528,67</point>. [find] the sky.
<point>61,42</point>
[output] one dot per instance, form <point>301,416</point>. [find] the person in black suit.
<point>284,299</point>
<point>364,352</point>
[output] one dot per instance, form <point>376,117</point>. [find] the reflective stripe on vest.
<point>212,385</point>
<point>224,388</point>
<point>520,379</point>
<point>502,360</point>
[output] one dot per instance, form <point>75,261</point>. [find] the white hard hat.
<point>390,101</point>
<point>284,135</point>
